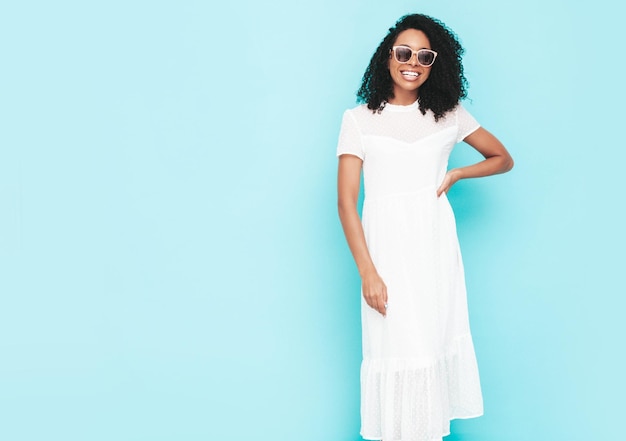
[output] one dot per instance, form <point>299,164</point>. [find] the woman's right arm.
<point>348,183</point>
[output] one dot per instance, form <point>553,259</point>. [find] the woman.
<point>419,368</point>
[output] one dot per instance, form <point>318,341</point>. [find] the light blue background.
<point>171,262</point>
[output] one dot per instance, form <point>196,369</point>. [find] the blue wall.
<point>171,262</point>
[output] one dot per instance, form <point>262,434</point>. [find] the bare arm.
<point>348,183</point>
<point>497,160</point>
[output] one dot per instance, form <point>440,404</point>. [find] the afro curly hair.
<point>446,84</point>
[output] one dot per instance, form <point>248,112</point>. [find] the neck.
<point>403,98</point>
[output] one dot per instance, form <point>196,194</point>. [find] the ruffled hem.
<point>409,399</point>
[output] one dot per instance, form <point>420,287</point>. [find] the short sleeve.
<point>465,122</point>
<point>350,141</point>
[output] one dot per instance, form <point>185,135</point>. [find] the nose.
<point>413,60</point>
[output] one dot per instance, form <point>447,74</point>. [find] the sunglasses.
<point>403,54</point>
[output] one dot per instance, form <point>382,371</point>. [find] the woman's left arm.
<point>497,160</point>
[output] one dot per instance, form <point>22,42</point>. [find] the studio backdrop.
<point>172,266</point>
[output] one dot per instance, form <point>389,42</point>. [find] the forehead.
<point>413,38</point>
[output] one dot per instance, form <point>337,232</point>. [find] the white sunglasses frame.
<point>393,51</point>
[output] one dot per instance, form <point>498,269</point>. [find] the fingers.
<point>383,301</point>
<point>374,302</point>
<point>449,180</point>
<point>445,186</point>
<point>375,293</point>
<point>377,301</point>
<point>379,306</point>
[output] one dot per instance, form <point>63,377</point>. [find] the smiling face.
<point>408,77</point>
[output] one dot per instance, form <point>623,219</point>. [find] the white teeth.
<point>410,73</point>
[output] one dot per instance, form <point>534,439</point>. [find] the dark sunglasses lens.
<point>425,58</point>
<point>403,54</point>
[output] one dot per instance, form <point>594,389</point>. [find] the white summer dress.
<point>419,368</point>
